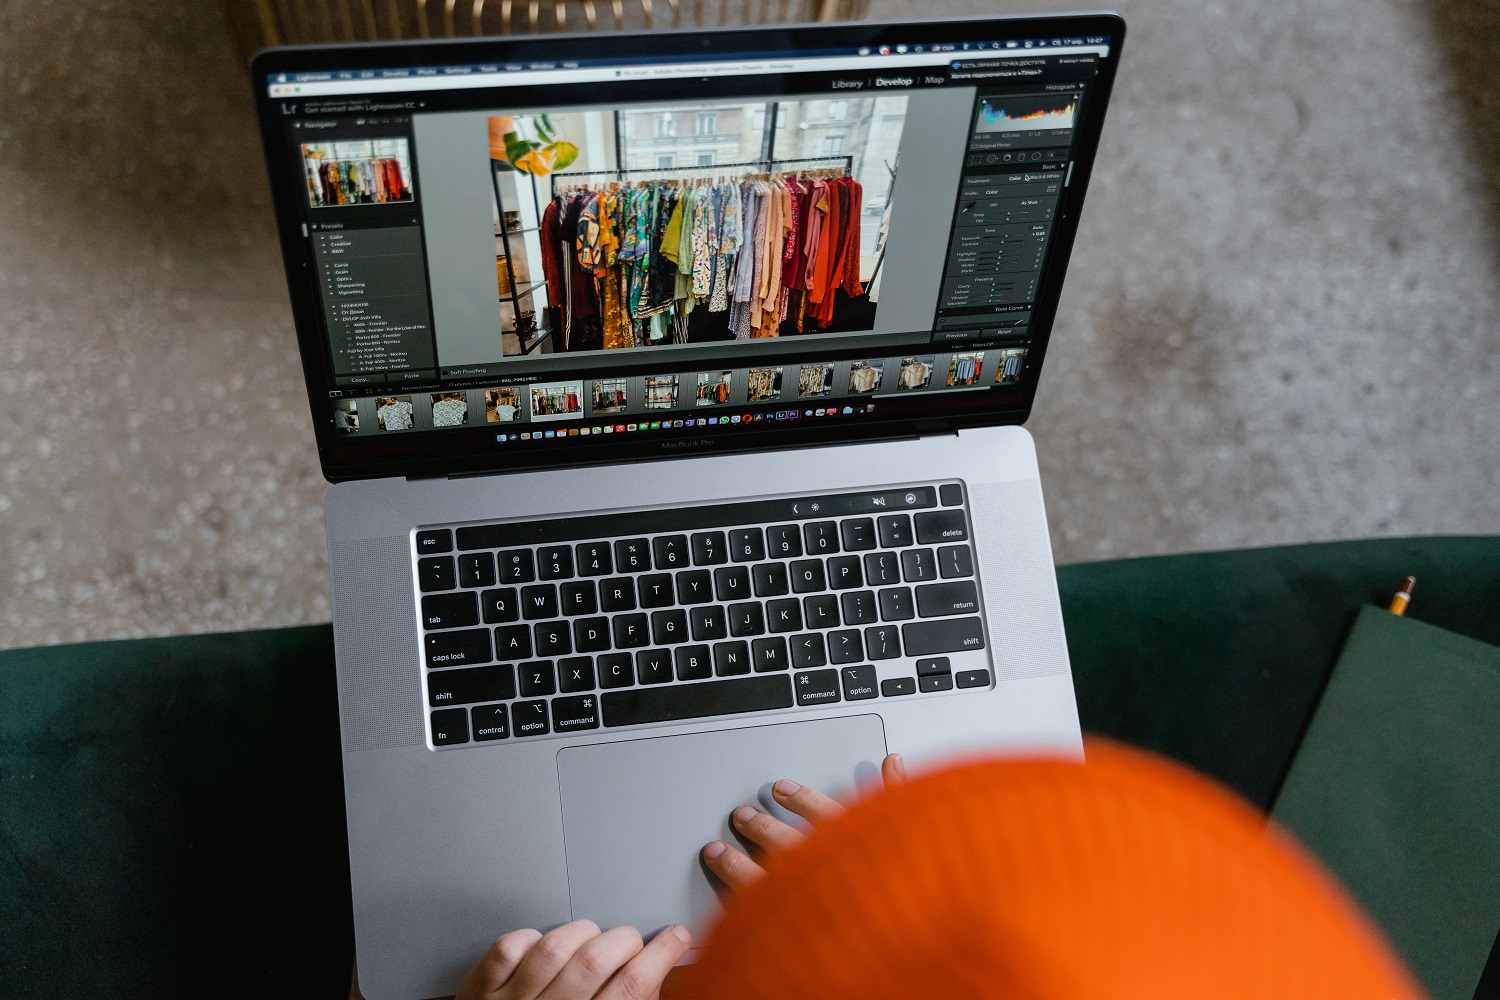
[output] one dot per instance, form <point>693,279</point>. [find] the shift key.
<point>463,687</point>
<point>942,635</point>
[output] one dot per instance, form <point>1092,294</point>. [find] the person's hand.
<point>736,870</point>
<point>576,961</point>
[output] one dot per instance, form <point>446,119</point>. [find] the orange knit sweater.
<point>1128,877</point>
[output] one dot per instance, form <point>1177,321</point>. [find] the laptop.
<point>671,389</point>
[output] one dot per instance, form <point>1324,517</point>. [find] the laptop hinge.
<point>480,473</point>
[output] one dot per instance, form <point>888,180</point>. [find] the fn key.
<point>450,726</point>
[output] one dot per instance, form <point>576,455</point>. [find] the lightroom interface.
<point>807,236</point>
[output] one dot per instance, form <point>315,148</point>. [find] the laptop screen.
<point>511,253</point>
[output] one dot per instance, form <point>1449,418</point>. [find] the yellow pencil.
<point>1403,596</point>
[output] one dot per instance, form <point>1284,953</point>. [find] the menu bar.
<point>961,56</point>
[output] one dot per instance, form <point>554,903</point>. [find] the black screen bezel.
<point>429,454</point>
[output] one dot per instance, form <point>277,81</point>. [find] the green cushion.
<point>1218,658</point>
<point>171,812</point>
<point>172,819</point>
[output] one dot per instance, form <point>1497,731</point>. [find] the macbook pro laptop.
<point>671,386</point>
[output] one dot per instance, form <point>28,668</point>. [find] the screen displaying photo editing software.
<point>811,236</point>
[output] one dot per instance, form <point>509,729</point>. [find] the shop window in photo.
<point>501,406</point>
<point>393,413</point>
<point>661,392</point>
<point>762,384</point>
<point>640,189</point>
<point>1012,361</point>
<point>916,373</point>
<point>450,409</point>
<point>608,395</point>
<point>346,416</point>
<point>815,380</point>
<point>866,376</point>
<point>965,369</point>
<point>357,172</point>
<point>713,388</point>
<point>556,401</point>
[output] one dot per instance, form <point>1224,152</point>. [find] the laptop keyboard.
<point>560,626</point>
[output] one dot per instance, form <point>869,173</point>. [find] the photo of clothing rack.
<point>763,384</point>
<point>1012,360</point>
<point>964,369</point>
<point>713,388</point>
<point>588,264</point>
<point>815,380</point>
<point>358,182</point>
<point>361,172</point>
<point>609,396</point>
<point>556,400</point>
<point>737,251</point>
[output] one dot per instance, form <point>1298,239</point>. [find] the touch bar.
<point>564,529</point>
<point>673,702</point>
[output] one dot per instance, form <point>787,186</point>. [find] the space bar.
<point>694,701</point>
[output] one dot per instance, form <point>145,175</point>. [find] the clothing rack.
<point>706,169</point>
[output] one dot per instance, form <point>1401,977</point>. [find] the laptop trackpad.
<point>636,814</point>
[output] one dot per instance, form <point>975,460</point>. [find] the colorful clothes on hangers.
<point>636,261</point>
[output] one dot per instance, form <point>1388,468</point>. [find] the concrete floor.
<point>1280,324</point>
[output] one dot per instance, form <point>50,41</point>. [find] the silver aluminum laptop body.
<point>453,845</point>
<point>449,849</point>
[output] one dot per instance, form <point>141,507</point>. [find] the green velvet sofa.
<point>171,813</point>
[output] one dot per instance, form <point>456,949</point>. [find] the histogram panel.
<point>1026,113</point>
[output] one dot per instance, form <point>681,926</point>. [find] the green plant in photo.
<point>542,155</point>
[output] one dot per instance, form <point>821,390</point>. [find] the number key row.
<point>726,584</point>
<point>698,586</point>
<point>672,552</point>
